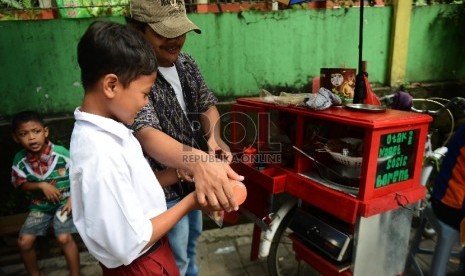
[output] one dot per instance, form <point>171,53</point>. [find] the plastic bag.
<point>284,98</point>
<point>322,100</point>
<point>240,192</point>
<point>217,217</point>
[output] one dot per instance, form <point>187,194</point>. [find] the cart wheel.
<point>281,259</point>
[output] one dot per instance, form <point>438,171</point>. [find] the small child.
<point>118,204</point>
<point>41,168</point>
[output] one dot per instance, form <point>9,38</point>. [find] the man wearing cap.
<point>172,127</point>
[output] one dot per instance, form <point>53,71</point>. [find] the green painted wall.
<point>437,44</point>
<point>239,53</point>
<point>38,65</point>
<point>242,53</point>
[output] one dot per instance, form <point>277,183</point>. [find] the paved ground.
<point>222,252</point>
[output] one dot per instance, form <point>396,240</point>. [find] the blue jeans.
<point>183,240</point>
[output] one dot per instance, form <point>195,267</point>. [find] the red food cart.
<point>343,225</point>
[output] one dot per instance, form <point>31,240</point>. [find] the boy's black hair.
<point>24,117</point>
<point>136,25</point>
<point>112,48</point>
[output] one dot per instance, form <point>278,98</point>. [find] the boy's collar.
<point>43,156</point>
<point>107,124</point>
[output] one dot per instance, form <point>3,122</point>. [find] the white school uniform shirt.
<point>114,192</point>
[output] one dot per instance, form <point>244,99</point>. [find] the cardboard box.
<point>340,81</point>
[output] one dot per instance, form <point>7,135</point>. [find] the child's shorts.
<point>157,261</point>
<point>37,224</point>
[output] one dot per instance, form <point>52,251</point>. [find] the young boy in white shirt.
<point>118,205</point>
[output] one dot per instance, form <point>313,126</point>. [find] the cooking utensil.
<point>338,173</point>
<point>346,176</point>
<point>366,107</point>
<point>313,159</point>
<point>353,146</point>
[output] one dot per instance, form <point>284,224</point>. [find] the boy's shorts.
<point>37,224</point>
<point>157,261</point>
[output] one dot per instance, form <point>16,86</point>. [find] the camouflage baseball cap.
<point>166,17</point>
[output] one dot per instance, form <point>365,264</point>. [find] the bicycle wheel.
<point>281,259</point>
<point>442,126</point>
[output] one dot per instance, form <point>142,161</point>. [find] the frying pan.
<point>337,173</point>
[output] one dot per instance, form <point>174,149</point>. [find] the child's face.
<point>32,136</point>
<point>128,101</point>
<point>166,49</point>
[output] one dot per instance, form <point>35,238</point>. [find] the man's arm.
<point>211,126</point>
<point>212,176</point>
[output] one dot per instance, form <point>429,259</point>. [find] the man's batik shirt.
<point>164,112</point>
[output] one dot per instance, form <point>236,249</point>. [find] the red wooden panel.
<point>272,179</point>
<point>257,201</point>
<point>333,202</point>
<point>391,201</point>
<point>369,166</point>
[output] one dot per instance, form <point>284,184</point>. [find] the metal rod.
<point>317,163</point>
<point>360,39</point>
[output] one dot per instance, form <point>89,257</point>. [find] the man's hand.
<point>212,176</point>
<point>213,184</point>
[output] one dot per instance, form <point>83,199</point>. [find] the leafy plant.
<point>19,4</point>
<point>25,10</point>
<point>350,3</point>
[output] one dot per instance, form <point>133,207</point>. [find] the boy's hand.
<point>185,175</point>
<point>207,208</point>
<point>67,207</point>
<point>212,185</point>
<point>50,191</point>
